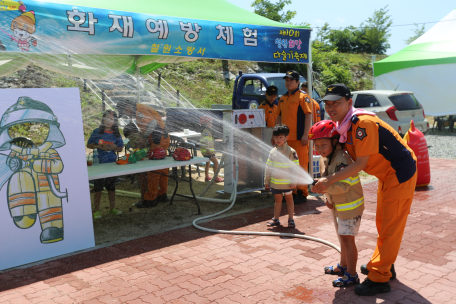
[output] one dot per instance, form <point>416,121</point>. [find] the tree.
<point>419,31</point>
<point>342,40</point>
<point>377,32</point>
<point>273,11</point>
<point>323,33</point>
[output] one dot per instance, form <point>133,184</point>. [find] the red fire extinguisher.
<point>417,142</point>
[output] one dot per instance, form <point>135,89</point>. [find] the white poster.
<point>45,208</point>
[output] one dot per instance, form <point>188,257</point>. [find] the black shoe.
<point>365,271</point>
<point>370,288</point>
<point>163,198</point>
<point>51,235</point>
<point>146,204</point>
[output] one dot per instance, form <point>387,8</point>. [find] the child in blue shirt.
<point>107,140</point>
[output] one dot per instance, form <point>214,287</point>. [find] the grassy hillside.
<point>202,81</point>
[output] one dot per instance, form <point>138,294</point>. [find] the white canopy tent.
<point>426,67</point>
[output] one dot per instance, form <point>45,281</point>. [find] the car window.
<point>253,87</point>
<point>405,102</point>
<point>366,101</point>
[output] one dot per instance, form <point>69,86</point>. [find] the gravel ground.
<point>441,146</point>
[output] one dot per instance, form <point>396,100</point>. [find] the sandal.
<point>291,224</point>
<point>346,280</point>
<point>208,178</point>
<point>219,180</point>
<point>275,222</point>
<point>330,270</point>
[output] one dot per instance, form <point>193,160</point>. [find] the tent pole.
<point>373,74</point>
<point>310,89</point>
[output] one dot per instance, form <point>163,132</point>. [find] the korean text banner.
<point>51,28</point>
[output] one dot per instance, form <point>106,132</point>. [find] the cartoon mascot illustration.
<point>23,27</point>
<point>32,171</point>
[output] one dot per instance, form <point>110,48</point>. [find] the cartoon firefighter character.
<point>23,27</point>
<point>32,171</point>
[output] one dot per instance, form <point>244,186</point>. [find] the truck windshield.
<point>405,102</point>
<point>279,82</point>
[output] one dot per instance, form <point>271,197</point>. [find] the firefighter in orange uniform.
<point>294,111</point>
<point>379,150</point>
<point>155,132</point>
<point>316,117</point>
<point>270,106</point>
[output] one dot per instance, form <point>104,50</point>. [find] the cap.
<point>292,75</point>
<point>272,90</point>
<point>337,91</point>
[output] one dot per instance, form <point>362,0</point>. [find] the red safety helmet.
<point>323,129</point>
<point>205,119</point>
<point>181,154</point>
<point>157,153</point>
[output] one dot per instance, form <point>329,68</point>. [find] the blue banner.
<point>41,27</point>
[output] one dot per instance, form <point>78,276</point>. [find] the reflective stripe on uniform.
<point>282,165</point>
<point>351,181</point>
<point>350,206</point>
<point>280,181</point>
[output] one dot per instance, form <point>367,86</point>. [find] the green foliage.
<point>201,81</point>
<point>323,35</point>
<point>370,37</point>
<point>331,67</point>
<point>36,132</point>
<point>418,32</point>
<point>377,32</point>
<point>273,11</point>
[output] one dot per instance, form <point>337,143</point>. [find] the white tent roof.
<point>426,67</point>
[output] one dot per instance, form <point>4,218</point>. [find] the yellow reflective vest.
<point>207,143</point>
<point>346,195</point>
<point>282,168</point>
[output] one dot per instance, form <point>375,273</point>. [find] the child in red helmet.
<point>207,148</point>
<point>345,198</point>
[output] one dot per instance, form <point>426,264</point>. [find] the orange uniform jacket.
<point>388,152</point>
<point>394,164</point>
<point>292,108</point>
<point>316,112</point>
<point>269,113</point>
<point>152,125</point>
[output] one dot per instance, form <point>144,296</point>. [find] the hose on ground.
<point>233,201</point>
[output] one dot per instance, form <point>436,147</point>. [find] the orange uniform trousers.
<point>393,207</point>
<point>303,155</point>
<point>154,181</point>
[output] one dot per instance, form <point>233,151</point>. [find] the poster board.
<point>45,207</point>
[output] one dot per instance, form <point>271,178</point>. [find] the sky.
<point>353,12</point>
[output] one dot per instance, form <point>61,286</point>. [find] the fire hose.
<point>232,200</point>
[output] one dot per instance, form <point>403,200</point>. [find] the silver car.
<point>396,108</point>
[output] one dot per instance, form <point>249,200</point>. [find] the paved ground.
<point>190,266</point>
